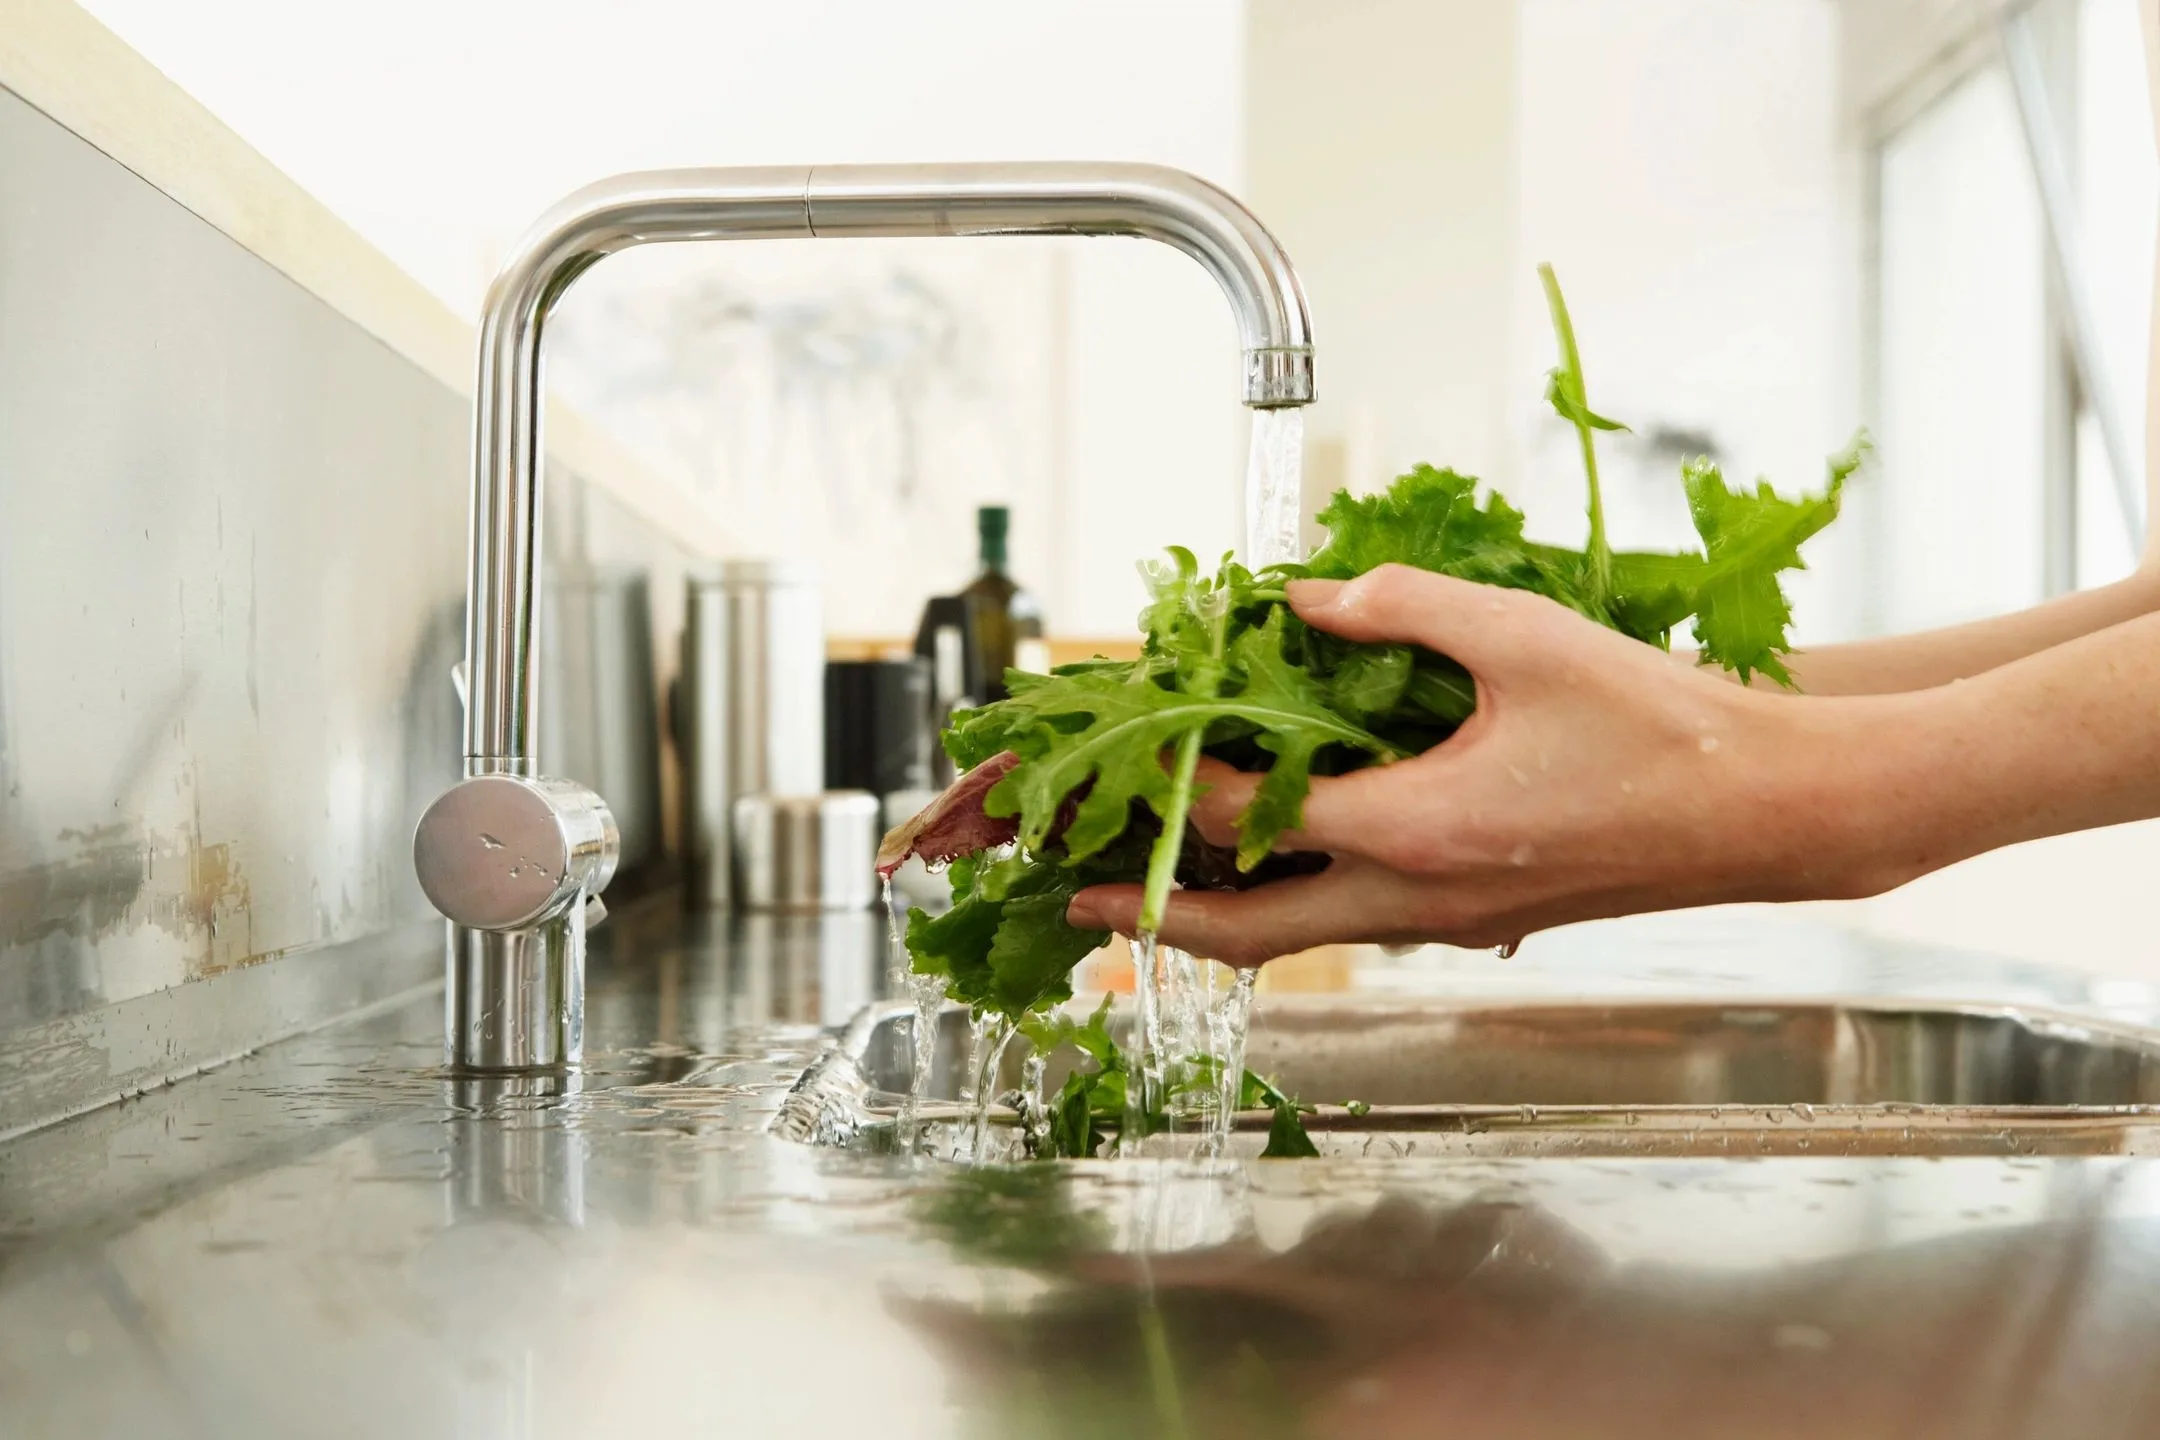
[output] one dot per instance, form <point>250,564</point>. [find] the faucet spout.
<point>1145,201</point>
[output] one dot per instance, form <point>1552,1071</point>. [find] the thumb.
<point>1479,626</point>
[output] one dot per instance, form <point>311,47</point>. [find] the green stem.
<point>1163,858</point>
<point>1571,371</point>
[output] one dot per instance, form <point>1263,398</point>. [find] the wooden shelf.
<point>1063,650</point>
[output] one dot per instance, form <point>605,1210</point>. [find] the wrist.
<point>1872,791</point>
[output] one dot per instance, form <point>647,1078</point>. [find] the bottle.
<point>1007,620</point>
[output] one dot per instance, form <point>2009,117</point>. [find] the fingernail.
<point>1313,594</point>
<point>1081,915</point>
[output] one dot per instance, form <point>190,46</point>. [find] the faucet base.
<point>516,998</point>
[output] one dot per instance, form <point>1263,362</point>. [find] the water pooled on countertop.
<point>334,1227</point>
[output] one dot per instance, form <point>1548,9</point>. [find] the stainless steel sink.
<point>1622,1078</point>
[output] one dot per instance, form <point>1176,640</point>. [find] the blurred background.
<point>1777,221</point>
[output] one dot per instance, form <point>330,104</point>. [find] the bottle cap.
<point>991,522</point>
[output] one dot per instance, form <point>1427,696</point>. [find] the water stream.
<point>1187,1021</point>
<point>1228,1023</point>
<point>988,1036</point>
<point>928,994</point>
<point>1032,1111</point>
<point>1144,1085</point>
<point>1274,488</point>
<point>1187,1044</point>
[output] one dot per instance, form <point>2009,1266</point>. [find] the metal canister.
<point>776,668</point>
<point>750,707</point>
<point>805,853</point>
<point>599,702</point>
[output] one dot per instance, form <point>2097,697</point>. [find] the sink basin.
<point>1621,1078</point>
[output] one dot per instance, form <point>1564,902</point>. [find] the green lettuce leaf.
<point>1741,613</point>
<point>1430,519</point>
<point>1109,735</point>
<point>1004,945</point>
<point>1226,670</point>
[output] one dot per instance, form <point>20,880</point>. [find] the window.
<point>2000,371</point>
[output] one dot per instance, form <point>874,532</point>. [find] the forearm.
<point>1899,663</point>
<point>2065,739</point>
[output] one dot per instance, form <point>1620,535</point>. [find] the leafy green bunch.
<point>1094,1104</point>
<point>1227,670</point>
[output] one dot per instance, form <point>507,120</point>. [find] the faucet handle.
<point>505,852</point>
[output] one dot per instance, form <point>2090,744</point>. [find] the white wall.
<point>1681,165</point>
<point>439,130</point>
<point>1381,152</point>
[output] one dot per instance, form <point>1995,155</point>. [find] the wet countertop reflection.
<point>331,1238</point>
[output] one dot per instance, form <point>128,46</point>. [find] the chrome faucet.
<point>517,862</point>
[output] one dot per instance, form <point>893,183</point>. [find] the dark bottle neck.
<point>990,523</point>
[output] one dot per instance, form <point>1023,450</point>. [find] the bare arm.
<point>1957,652</point>
<point>1599,777</point>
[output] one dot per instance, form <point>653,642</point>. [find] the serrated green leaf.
<point>1048,1032</point>
<point>1440,688</point>
<point>1004,945</point>
<point>1652,593</point>
<point>1278,804</point>
<point>1569,406</point>
<point>1073,1132</point>
<point>1114,745</point>
<point>1741,613</point>
<point>1225,670</point>
<point>1286,1137</point>
<point>1371,681</point>
<point>1033,954</point>
<point>1430,519</point>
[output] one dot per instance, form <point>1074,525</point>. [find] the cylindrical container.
<point>877,725</point>
<point>599,702</point>
<point>776,677</point>
<point>701,746</point>
<point>750,705</point>
<point>802,853</point>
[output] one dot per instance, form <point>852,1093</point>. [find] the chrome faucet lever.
<point>517,941</point>
<point>517,864</point>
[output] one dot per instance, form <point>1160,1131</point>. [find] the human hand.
<point>1599,776</point>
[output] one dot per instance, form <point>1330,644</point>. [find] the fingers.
<point>1356,814</point>
<point>1246,928</point>
<point>1221,794</point>
<point>1478,625</point>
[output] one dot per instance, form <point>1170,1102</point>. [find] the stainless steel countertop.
<point>329,1239</point>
